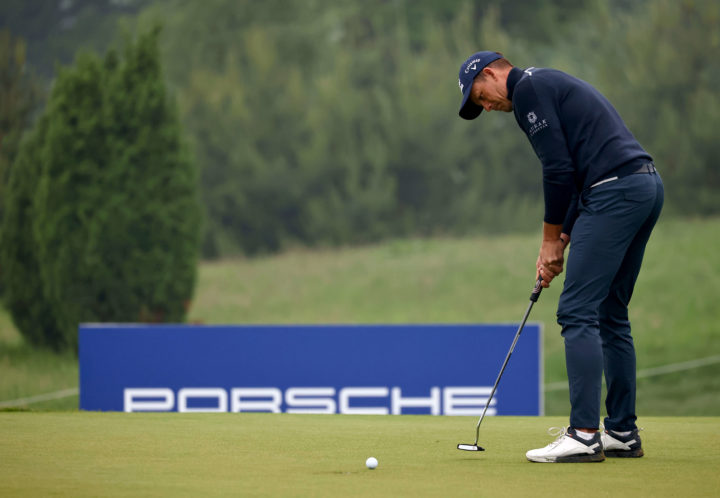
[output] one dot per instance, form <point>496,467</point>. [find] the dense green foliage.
<point>23,294</point>
<point>20,93</point>
<point>669,87</point>
<point>335,122</point>
<point>330,123</point>
<point>103,219</point>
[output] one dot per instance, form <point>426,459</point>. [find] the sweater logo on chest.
<point>535,124</point>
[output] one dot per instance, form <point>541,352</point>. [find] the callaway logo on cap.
<point>468,70</point>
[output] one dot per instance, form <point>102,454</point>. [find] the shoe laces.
<point>559,433</point>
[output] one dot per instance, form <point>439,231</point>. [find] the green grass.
<point>95,454</point>
<point>481,279</point>
<point>26,372</point>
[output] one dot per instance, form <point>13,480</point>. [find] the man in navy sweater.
<point>602,191</point>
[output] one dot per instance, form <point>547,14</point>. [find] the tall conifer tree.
<point>115,218</point>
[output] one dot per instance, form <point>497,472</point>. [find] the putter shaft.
<point>533,299</point>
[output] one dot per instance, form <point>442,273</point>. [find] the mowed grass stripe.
<point>113,454</point>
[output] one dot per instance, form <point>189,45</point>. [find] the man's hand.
<point>551,258</point>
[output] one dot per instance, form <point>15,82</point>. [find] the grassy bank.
<point>483,279</point>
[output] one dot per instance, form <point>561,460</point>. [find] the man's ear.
<point>488,71</point>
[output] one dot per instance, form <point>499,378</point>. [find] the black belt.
<point>645,168</point>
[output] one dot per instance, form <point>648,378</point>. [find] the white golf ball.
<point>371,463</point>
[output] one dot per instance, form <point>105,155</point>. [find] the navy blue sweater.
<point>576,133</point>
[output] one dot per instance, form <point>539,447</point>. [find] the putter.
<point>533,299</point>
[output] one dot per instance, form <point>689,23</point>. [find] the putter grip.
<point>536,291</point>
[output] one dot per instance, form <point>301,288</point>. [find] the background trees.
<point>20,94</point>
<point>327,122</point>
<point>103,217</point>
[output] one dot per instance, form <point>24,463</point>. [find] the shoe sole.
<point>595,457</point>
<point>624,453</point>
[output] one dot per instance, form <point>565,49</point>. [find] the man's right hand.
<point>552,254</point>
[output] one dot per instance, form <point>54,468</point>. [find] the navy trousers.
<point>607,247</point>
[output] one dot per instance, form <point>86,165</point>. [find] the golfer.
<point>603,192</point>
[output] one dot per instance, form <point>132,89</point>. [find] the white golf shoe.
<point>628,446</point>
<point>568,448</point>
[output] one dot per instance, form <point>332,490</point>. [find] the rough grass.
<point>482,279</point>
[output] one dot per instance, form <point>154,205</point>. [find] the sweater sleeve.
<point>536,112</point>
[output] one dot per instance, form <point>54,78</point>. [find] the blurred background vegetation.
<point>318,124</point>
<point>335,122</point>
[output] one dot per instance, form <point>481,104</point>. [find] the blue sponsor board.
<point>351,369</point>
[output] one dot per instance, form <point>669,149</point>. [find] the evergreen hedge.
<point>105,224</point>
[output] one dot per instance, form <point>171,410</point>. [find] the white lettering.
<point>537,126</point>
<point>472,65</point>
<point>452,400</point>
<point>156,399</point>
<point>271,405</point>
<point>301,396</point>
<point>398,402</point>
<point>347,393</point>
<point>467,401</point>
<point>205,393</point>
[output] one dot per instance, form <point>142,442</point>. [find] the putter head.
<point>470,447</point>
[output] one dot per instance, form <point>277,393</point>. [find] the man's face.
<point>489,91</point>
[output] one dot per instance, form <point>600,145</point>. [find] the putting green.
<point>109,454</point>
